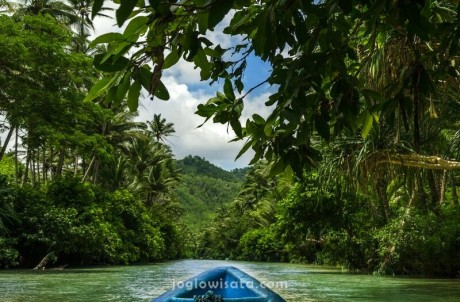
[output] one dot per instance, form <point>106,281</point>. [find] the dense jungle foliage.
<point>356,165</point>
<point>82,180</point>
<point>203,189</point>
<point>281,219</point>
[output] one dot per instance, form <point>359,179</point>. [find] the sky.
<point>211,141</point>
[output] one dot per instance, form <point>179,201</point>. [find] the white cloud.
<point>211,140</point>
<point>185,72</point>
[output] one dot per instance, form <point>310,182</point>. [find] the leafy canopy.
<point>320,52</point>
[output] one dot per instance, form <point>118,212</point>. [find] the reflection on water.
<point>142,283</point>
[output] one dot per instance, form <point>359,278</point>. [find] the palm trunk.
<point>442,189</point>
<point>381,189</point>
<point>96,171</point>
<point>16,167</point>
<point>44,164</point>
<point>420,192</point>
<point>60,164</point>
<point>32,167</point>
<point>75,165</point>
<point>26,171</point>
<point>38,166</point>
<point>433,190</point>
<point>7,140</point>
<point>454,189</point>
<point>89,168</point>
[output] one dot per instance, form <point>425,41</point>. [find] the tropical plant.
<point>159,129</point>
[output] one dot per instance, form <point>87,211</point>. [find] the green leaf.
<point>98,89</point>
<point>228,90</point>
<point>346,6</point>
<point>206,111</point>
<point>244,149</point>
<point>277,168</point>
<point>133,96</point>
<point>145,77</point>
<point>203,22</point>
<point>258,119</point>
<point>301,31</point>
<point>162,92</point>
<point>124,11</point>
<point>123,87</point>
<point>161,6</point>
<point>136,25</point>
<point>171,59</point>
<point>259,41</point>
<point>236,126</point>
<point>367,125</point>
<point>322,127</point>
<point>201,61</point>
<point>97,6</point>
<point>217,12</point>
<point>106,38</point>
<point>110,65</point>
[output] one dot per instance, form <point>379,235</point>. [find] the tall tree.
<point>159,128</point>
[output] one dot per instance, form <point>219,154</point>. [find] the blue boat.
<point>230,283</point>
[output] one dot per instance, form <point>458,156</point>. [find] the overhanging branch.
<point>412,160</point>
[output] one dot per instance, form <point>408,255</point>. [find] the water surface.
<point>294,282</point>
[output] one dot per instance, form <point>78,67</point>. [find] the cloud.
<point>211,140</point>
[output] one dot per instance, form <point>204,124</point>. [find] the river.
<point>294,282</point>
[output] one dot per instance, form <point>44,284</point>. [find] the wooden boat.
<point>228,282</point>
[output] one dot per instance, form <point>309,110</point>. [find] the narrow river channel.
<point>294,282</point>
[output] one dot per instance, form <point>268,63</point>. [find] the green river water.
<point>294,282</point>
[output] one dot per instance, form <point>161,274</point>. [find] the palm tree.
<point>56,8</point>
<point>152,170</point>
<point>83,8</point>
<point>84,24</point>
<point>158,183</point>
<point>159,129</point>
<point>407,152</point>
<point>6,6</point>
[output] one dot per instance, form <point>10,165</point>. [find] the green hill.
<point>204,188</point>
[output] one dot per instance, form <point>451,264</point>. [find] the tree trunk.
<point>96,171</point>
<point>442,189</point>
<point>381,189</point>
<point>16,168</point>
<point>75,165</point>
<point>60,164</point>
<point>420,192</point>
<point>433,190</point>
<point>32,167</point>
<point>37,162</point>
<point>89,168</point>
<point>26,171</point>
<point>7,140</point>
<point>454,189</point>
<point>42,264</point>
<point>44,164</point>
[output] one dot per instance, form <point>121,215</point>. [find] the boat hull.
<point>232,284</point>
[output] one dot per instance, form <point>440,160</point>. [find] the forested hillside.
<point>204,188</point>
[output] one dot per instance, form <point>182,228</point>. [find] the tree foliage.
<point>328,63</point>
<point>60,189</point>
